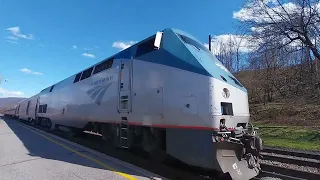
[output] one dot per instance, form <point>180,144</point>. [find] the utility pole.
<point>209,42</point>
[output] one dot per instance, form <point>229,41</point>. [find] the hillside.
<point>285,105</point>
<point>282,96</point>
<point>9,101</point>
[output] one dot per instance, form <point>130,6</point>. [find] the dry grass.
<point>286,114</point>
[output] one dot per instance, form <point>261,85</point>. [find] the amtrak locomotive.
<point>167,95</point>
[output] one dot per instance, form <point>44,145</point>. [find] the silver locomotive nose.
<point>238,152</point>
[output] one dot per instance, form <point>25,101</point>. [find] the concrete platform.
<point>27,153</point>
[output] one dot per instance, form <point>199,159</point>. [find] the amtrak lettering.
<point>96,92</point>
<point>106,79</point>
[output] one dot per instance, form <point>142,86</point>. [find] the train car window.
<point>45,108</point>
<point>103,66</point>
<point>226,108</point>
<point>86,73</point>
<point>40,109</point>
<point>223,78</point>
<point>51,88</point>
<point>192,42</point>
<point>77,78</point>
<point>236,81</point>
<point>146,47</point>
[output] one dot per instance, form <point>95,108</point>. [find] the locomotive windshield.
<point>208,60</point>
<point>192,42</point>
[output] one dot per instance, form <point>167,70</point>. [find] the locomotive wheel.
<point>52,126</point>
<point>41,122</point>
<point>151,143</point>
<point>116,138</point>
<point>49,124</point>
<point>32,122</point>
<point>36,121</point>
<point>76,132</point>
<point>158,155</point>
<point>106,131</point>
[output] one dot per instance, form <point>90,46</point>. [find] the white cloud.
<point>250,13</point>
<point>270,1</point>
<point>257,29</point>
<point>87,49</point>
<point>225,39</point>
<point>74,47</point>
<point>13,42</point>
<point>88,55</point>
<point>15,32</point>
<point>123,44</point>
<point>37,73</point>
<point>29,71</point>
<point>8,93</point>
<point>12,38</point>
<point>90,48</point>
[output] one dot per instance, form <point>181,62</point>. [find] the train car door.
<point>27,110</point>
<point>124,103</point>
<point>17,112</point>
<point>125,78</point>
<point>36,108</point>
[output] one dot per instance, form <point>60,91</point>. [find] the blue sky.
<point>44,42</point>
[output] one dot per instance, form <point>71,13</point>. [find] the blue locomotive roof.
<point>180,50</point>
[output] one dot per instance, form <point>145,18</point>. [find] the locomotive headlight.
<point>226,93</point>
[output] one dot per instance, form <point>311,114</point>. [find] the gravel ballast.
<point>292,166</point>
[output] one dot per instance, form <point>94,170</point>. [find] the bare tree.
<point>228,51</point>
<point>284,35</point>
<point>224,53</point>
<point>287,23</point>
<point>237,52</point>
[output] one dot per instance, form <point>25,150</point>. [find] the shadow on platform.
<point>40,147</point>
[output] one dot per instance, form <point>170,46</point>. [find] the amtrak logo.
<point>96,93</point>
<point>226,93</point>
<point>100,81</point>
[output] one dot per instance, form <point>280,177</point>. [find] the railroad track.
<point>289,164</point>
<point>286,173</point>
<point>292,160</point>
<point>295,153</point>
